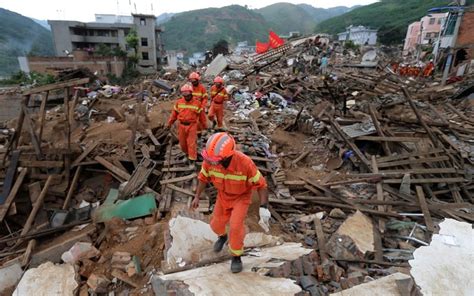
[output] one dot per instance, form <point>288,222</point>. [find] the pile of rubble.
<point>362,166</point>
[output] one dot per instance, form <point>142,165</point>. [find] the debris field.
<point>364,169</point>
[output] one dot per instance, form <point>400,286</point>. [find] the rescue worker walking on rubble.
<point>187,110</point>
<point>234,175</point>
<point>199,93</point>
<point>218,97</point>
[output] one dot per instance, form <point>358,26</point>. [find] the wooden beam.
<point>378,128</point>
<point>389,139</point>
<point>350,143</point>
<point>89,147</point>
<point>321,239</point>
<point>72,188</point>
<point>458,113</point>
<point>30,127</point>
<point>379,195</point>
<point>42,163</point>
<point>10,175</point>
<point>434,140</point>
<point>124,175</point>
<point>11,196</point>
<point>152,137</point>
<point>424,209</point>
<point>59,85</point>
<point>426,181</point>
<point>407,155</point>
<point>413,161</point>
<point>36,206</point>
<point>179,189</point>
<point>42,114</point>
<point>178,179</point>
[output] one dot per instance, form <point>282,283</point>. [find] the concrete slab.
<point>445,267</point>
<point>386,286</point>
<point>48,279</point>
<point>9,276</point>
<point>217,279</point>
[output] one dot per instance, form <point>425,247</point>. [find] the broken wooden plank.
<point>42,113</point>
<point>11,196</point>
<point>427,180</point>
<point>178,169</point>
<point>300,157</point>
<point>407,155</point>
<point>36,206</point>
<point>58,85</point>
<point>41,163</point>
<point>138,178</point>
<point>458,113</point>
<point>179,189</point>
<point>89,147</point>
<point>434,140</point>
<point>178,179</point>
<point>321,239</point>
<point>378,128</point>
<point>30,127</point>
<point>412,161</point>
<point>389,139</point>
<point>27,255</point>
<point>379,195</point>
<point>10,175</point>
<point>286,201</point>
<point>72,188</point>
<point>424,209</point>
<point>123,175</point>
<point>152,137</point>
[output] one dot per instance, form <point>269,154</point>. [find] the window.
<point>449,28</point>
<point>142,21</point>
<point>144,42</point>
<point>145,56</point>
<point>432,21</point>
<point>440,20</point>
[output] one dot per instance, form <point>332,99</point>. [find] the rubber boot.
<point>219,244</point>
<point>236,264</point>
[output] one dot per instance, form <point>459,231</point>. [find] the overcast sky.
<point>84,10</point>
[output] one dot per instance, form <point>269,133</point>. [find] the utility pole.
<point>449,59</point>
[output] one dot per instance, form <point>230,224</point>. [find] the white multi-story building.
<point>360,35</point>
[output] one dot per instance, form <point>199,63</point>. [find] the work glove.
<point>264,222</point>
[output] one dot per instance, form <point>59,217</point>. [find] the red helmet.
<point>219,79</point>
<point>218,146</point>
<point>194,76</point>
<point>258,95</point>
<point>186,89</point>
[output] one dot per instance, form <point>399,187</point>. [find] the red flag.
<point>275,40</point>
<point>261,47</point>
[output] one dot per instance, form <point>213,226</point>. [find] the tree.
<point>132,42</point>
<point>222,46</point>
<point>103,50</point>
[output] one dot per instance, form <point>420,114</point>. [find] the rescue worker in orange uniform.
<point>218,97</point>
<point>199,93</point>
<point>428,70</point>
<point>187,110</point>
<point>234,175</point>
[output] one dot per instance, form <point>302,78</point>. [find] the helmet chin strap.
<point>226,162</point>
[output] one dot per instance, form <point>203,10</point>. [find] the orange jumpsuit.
<point>188,115</point>
<point>200,93</point>
<point>428,69</point>
<point>234,195</point>
<point>218,97</point>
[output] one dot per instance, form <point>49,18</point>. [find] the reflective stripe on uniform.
<point>255,178</point>
<point>184,106</point>
<point>236,252</point>
<point>227,176</point>
<point>204,172</point>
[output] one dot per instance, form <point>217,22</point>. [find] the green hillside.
<point>390,17</point>
<point>198,30</point>
<point>19,36</point>
<point>286,17</point>
<point>322,14</point>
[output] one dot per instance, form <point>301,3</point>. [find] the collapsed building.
<point>370,177</point>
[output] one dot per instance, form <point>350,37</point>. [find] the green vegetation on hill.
<point>198,30</point>
<point>20,36</point>
<point>390,17</point>
<point>322,14</point>
<point>286,17</point>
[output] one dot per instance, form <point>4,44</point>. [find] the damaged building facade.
<point>109,30</point>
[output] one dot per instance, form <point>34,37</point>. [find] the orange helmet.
<point>186,89</point>
<point>194,76</point>
<point>218,146</point>
<point>218,79</point>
